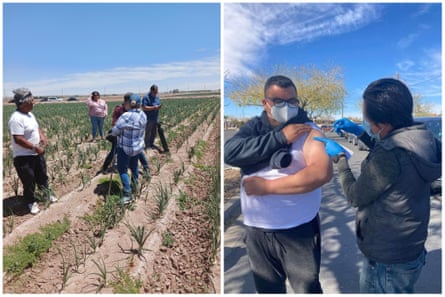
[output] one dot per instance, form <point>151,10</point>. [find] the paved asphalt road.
<point>340,256</point>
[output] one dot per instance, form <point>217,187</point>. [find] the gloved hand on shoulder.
<point>347,125</point>
<point>332,148</point>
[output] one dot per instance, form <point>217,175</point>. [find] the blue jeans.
<point>97,123</point>
<point>124,162</point>
<point>143,160</point>
<point>390,278</point>
<point>110,156</point>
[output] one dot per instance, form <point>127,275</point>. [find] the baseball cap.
<point>20,95</point>
<point>135,100</point>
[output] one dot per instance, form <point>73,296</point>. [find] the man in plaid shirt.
<point>130,129</point>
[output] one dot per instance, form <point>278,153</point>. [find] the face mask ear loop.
<point>378,133</point>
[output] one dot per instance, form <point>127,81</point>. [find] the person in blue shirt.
<point>151,105</point>
<point>130,143</point>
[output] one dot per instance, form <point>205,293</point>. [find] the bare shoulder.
<point>310,144</point>
<point>314,133</point>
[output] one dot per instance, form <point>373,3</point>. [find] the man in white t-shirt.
<point>283,169</point>
<point>28,144</point>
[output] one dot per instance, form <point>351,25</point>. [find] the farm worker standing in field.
<point>151,104</point>
<point>117,112</point>
<point>280,200</point>
<point>97,110</point>
<point>28,144</point>
<point>392,193</point>
<point>130,131</point>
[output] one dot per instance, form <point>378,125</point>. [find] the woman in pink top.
<point>97,110</point>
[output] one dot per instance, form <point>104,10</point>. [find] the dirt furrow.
<point>112,254</point>
<point>116,249</point>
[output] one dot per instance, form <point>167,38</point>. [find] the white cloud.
<point>425,8</point>
<point>424,76</point>
<point>405,65</point>
<point>407,41</point>
<point>189,75</point>
<point>250,28</point>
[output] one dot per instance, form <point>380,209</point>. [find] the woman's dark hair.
<point>388,101</point>
<point>95,93</point>
<point>154,88</point>
<point>127,96</point>
<point>279,80</point>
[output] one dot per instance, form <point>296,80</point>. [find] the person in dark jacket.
<point>283,170</point>
<point>392,193</point>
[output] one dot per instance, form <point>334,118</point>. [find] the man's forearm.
<point>306,180</point>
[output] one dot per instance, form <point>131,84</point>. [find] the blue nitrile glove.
<point>332,148</point>
<point>347,125</point>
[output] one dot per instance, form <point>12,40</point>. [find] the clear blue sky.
<point>368,41</point>
<point>76,48</point>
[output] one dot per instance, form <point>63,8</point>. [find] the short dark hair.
<point>127,96</point>
<point>389,101</point>
<point>153,88</point>
<point>95,93</point>
<point>279,80</point>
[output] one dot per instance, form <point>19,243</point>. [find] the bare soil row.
<point>182,266</point>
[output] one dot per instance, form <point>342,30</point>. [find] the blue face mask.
<point>367,128</point>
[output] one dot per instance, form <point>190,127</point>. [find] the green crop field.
<point>103,244</point>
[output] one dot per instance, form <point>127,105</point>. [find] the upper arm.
<point>316,173</point>
<point>315,155</point>
<point>16,128</point>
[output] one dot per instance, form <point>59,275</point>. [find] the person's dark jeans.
<point>150,134</point>
<point>124,162</point>
<point>144,162</point>
<point>295,253</point>
<point>31,171</point>
<point>109,158</point>
<point>97,123</point>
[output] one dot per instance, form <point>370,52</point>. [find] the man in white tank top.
<point>282,169</point>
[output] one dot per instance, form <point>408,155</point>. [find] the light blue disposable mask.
<point>367,128</point>
<point>284,113</point>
